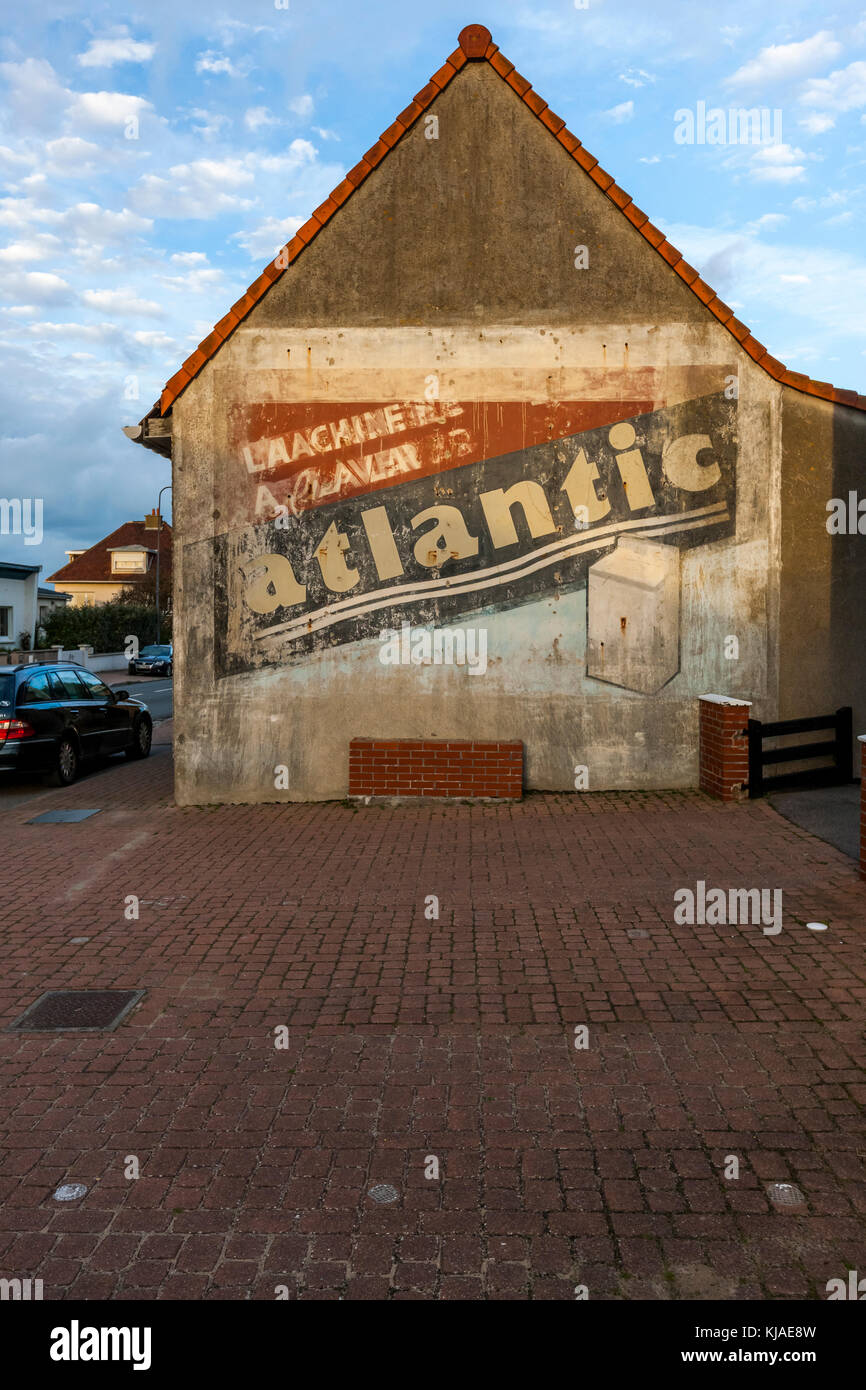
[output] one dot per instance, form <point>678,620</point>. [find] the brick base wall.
<point>863,808</point>
<point>724,747</point>
<point>435,767</point>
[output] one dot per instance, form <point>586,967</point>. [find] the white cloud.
<point>104,53</point>
<point>623,112</point>
<point>106,110</point>
<point>302,105</point>
<point>155,338</point>
<point>299,152</point>
<point>777,164</point>
<point>189,258</point>
<point>96,223</point>
<point>650,159</point>
<point>325,134</point>
<point>841,91</point>
<point>215,62</point>
<point>201,189</point>
<point>817,124</point>
<point>767,219</point>
<point>37,286</point>
<point>38,248</point>
<point>70,157</point>
<point>783,62</point>
<point>211,122</point>
<point>13,160</point>
<point>636,77</point>
<point>123,302</point>
<point>257,116</point>
<point>96,332</point>
<point>268,237</point>
<point>840,220</point>
<point>35,96</point>
<point>195,282</point>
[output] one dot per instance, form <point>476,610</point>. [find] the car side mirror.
<point>121,694</point>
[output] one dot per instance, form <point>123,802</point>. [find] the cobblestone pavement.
<point>413,1039</point>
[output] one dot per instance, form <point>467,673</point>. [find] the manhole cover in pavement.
<point>384,1192</point>
<point>77,1010</point>
<point>59,817</point>
<point>785,1194</point>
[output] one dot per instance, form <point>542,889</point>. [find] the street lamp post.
<point>167,488</point>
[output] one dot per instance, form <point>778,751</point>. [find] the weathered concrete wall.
<point>448,282</point>
<point>823,613</point>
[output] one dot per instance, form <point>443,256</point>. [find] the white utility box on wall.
<point>633,616</point>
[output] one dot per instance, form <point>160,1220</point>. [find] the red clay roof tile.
<point>410,115</point>
<point>535,103</point>
<point>390,136</point>
<point>500,64</point>
<point>520,84</point>
<point>426,94</point>
<point>702,290</point>
<point>476,44</point>
<point>566,139</point>
<point>475,40</point>
<point>635,215</point>
<point>618,195</point>
<point>358,174</point>
<point>325,210</point>
<point>552,121</point>
<point>441,78</point>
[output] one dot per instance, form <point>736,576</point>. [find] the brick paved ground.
<point>410,1038</point>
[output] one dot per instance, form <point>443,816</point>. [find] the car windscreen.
<point>7,691</point>
<point>154,651</point>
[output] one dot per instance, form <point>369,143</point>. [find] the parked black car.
<point>53,717</point>
<point>152,661</point>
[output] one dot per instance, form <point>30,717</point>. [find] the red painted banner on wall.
<point>303,456</point>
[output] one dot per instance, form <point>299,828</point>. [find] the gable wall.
<point>455,261</point>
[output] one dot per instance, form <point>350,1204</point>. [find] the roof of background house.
<point>95,564</point>
<point>476,45</point>
<point>51,593</point>
<point>8,570</point>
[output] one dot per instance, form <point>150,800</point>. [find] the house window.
<point>5,622</point>
<point>128,564</point>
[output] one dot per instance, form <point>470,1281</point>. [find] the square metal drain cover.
<point>61,817</point>
<point>77,1010</point>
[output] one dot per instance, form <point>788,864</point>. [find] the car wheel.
<point>130,670</point>
<point>140,746</point>
<point>67,763</point>
<point>168,669</point>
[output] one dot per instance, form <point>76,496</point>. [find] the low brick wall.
<point>862,741</point>
<point>435,767</point>
<point>724,747</point>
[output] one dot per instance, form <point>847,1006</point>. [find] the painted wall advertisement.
<point>360,515</point>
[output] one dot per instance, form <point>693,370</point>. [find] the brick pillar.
<point>862,739</point>
<point>724,747</point>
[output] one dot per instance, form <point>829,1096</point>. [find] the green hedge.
<point>105,626</point>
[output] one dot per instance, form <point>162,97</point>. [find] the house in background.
<point>49,600</point>
<point>19,586</point>
<point>120,561</point>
